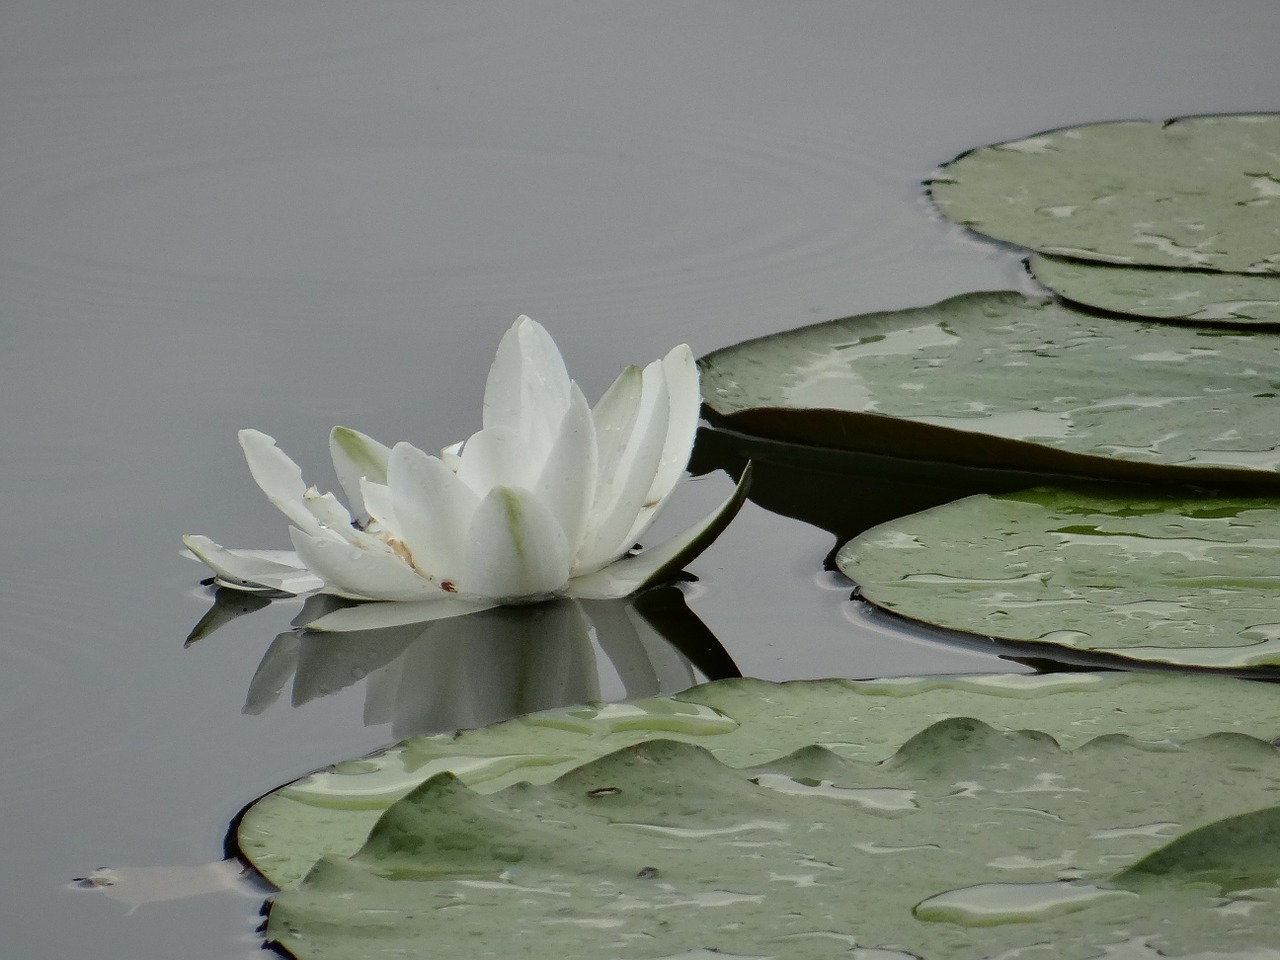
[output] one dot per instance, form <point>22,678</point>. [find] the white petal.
<point>280,479</point>
<point>502,389</point>
<point>356,456</point>
<point>451,456</point>
<point>285,558</point>
<point>278,476</point>
<point>256,569</point>
<point>377,616</point>
<point>434,510</point>
<point>680,371</point>
<point>363,571</point>
<point>685,400</point>
<point>614,515</point>
<point>615,416</point>
<point>495,457</point>
<point>516,549</point>
<point>568,480</point>
<point>664,561</point>
<point>331,515</point>
<point>380,507</point>
<point>528,386</point>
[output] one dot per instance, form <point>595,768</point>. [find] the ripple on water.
<point>678,209</point>
<point>51,640</point>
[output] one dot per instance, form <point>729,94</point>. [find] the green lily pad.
<point>743,722</point>
<point>968,843</point>
<point>1143,575</point>
<point>1184,295</point>
<point>1234,854</point>
<point>1201,192</point>
<point>996,379</point>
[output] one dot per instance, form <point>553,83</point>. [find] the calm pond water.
<point>293,214</point>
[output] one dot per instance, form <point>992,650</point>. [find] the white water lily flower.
<point>545,501</point>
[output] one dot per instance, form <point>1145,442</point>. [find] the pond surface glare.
<point>292,215</point>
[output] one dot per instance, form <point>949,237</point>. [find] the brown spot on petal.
<point>448,586</point>
<point>399,548</point>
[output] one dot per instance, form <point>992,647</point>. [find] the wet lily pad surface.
<point>1202,192</point>
<point>1146,576</point>
<point>968,842</point>
<point>1162,294</point>
<point>742,722</point>
<point>1000,379</point>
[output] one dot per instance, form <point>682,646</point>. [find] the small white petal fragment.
<point>516,549</point>
<point>451,456</point>
<point>137,886</point>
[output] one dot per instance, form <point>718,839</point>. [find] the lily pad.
<point>1201,192</point>
<point>997,379</point>
<point>1160,294</point>
<point>743,722</point>
<point>968,843</point>
<point>1234,854</point>
<point>1143,575</point>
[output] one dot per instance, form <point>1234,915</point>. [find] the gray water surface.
<point>286,215</point>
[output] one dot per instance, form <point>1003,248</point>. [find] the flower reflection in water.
<point>445,675</point>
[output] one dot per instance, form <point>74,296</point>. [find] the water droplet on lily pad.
<point>988,904</point>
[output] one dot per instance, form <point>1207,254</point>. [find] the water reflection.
<point>474,670</point>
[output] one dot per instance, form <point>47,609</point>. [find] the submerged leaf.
<point>1201,192</point>
<point>1143,575</point>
